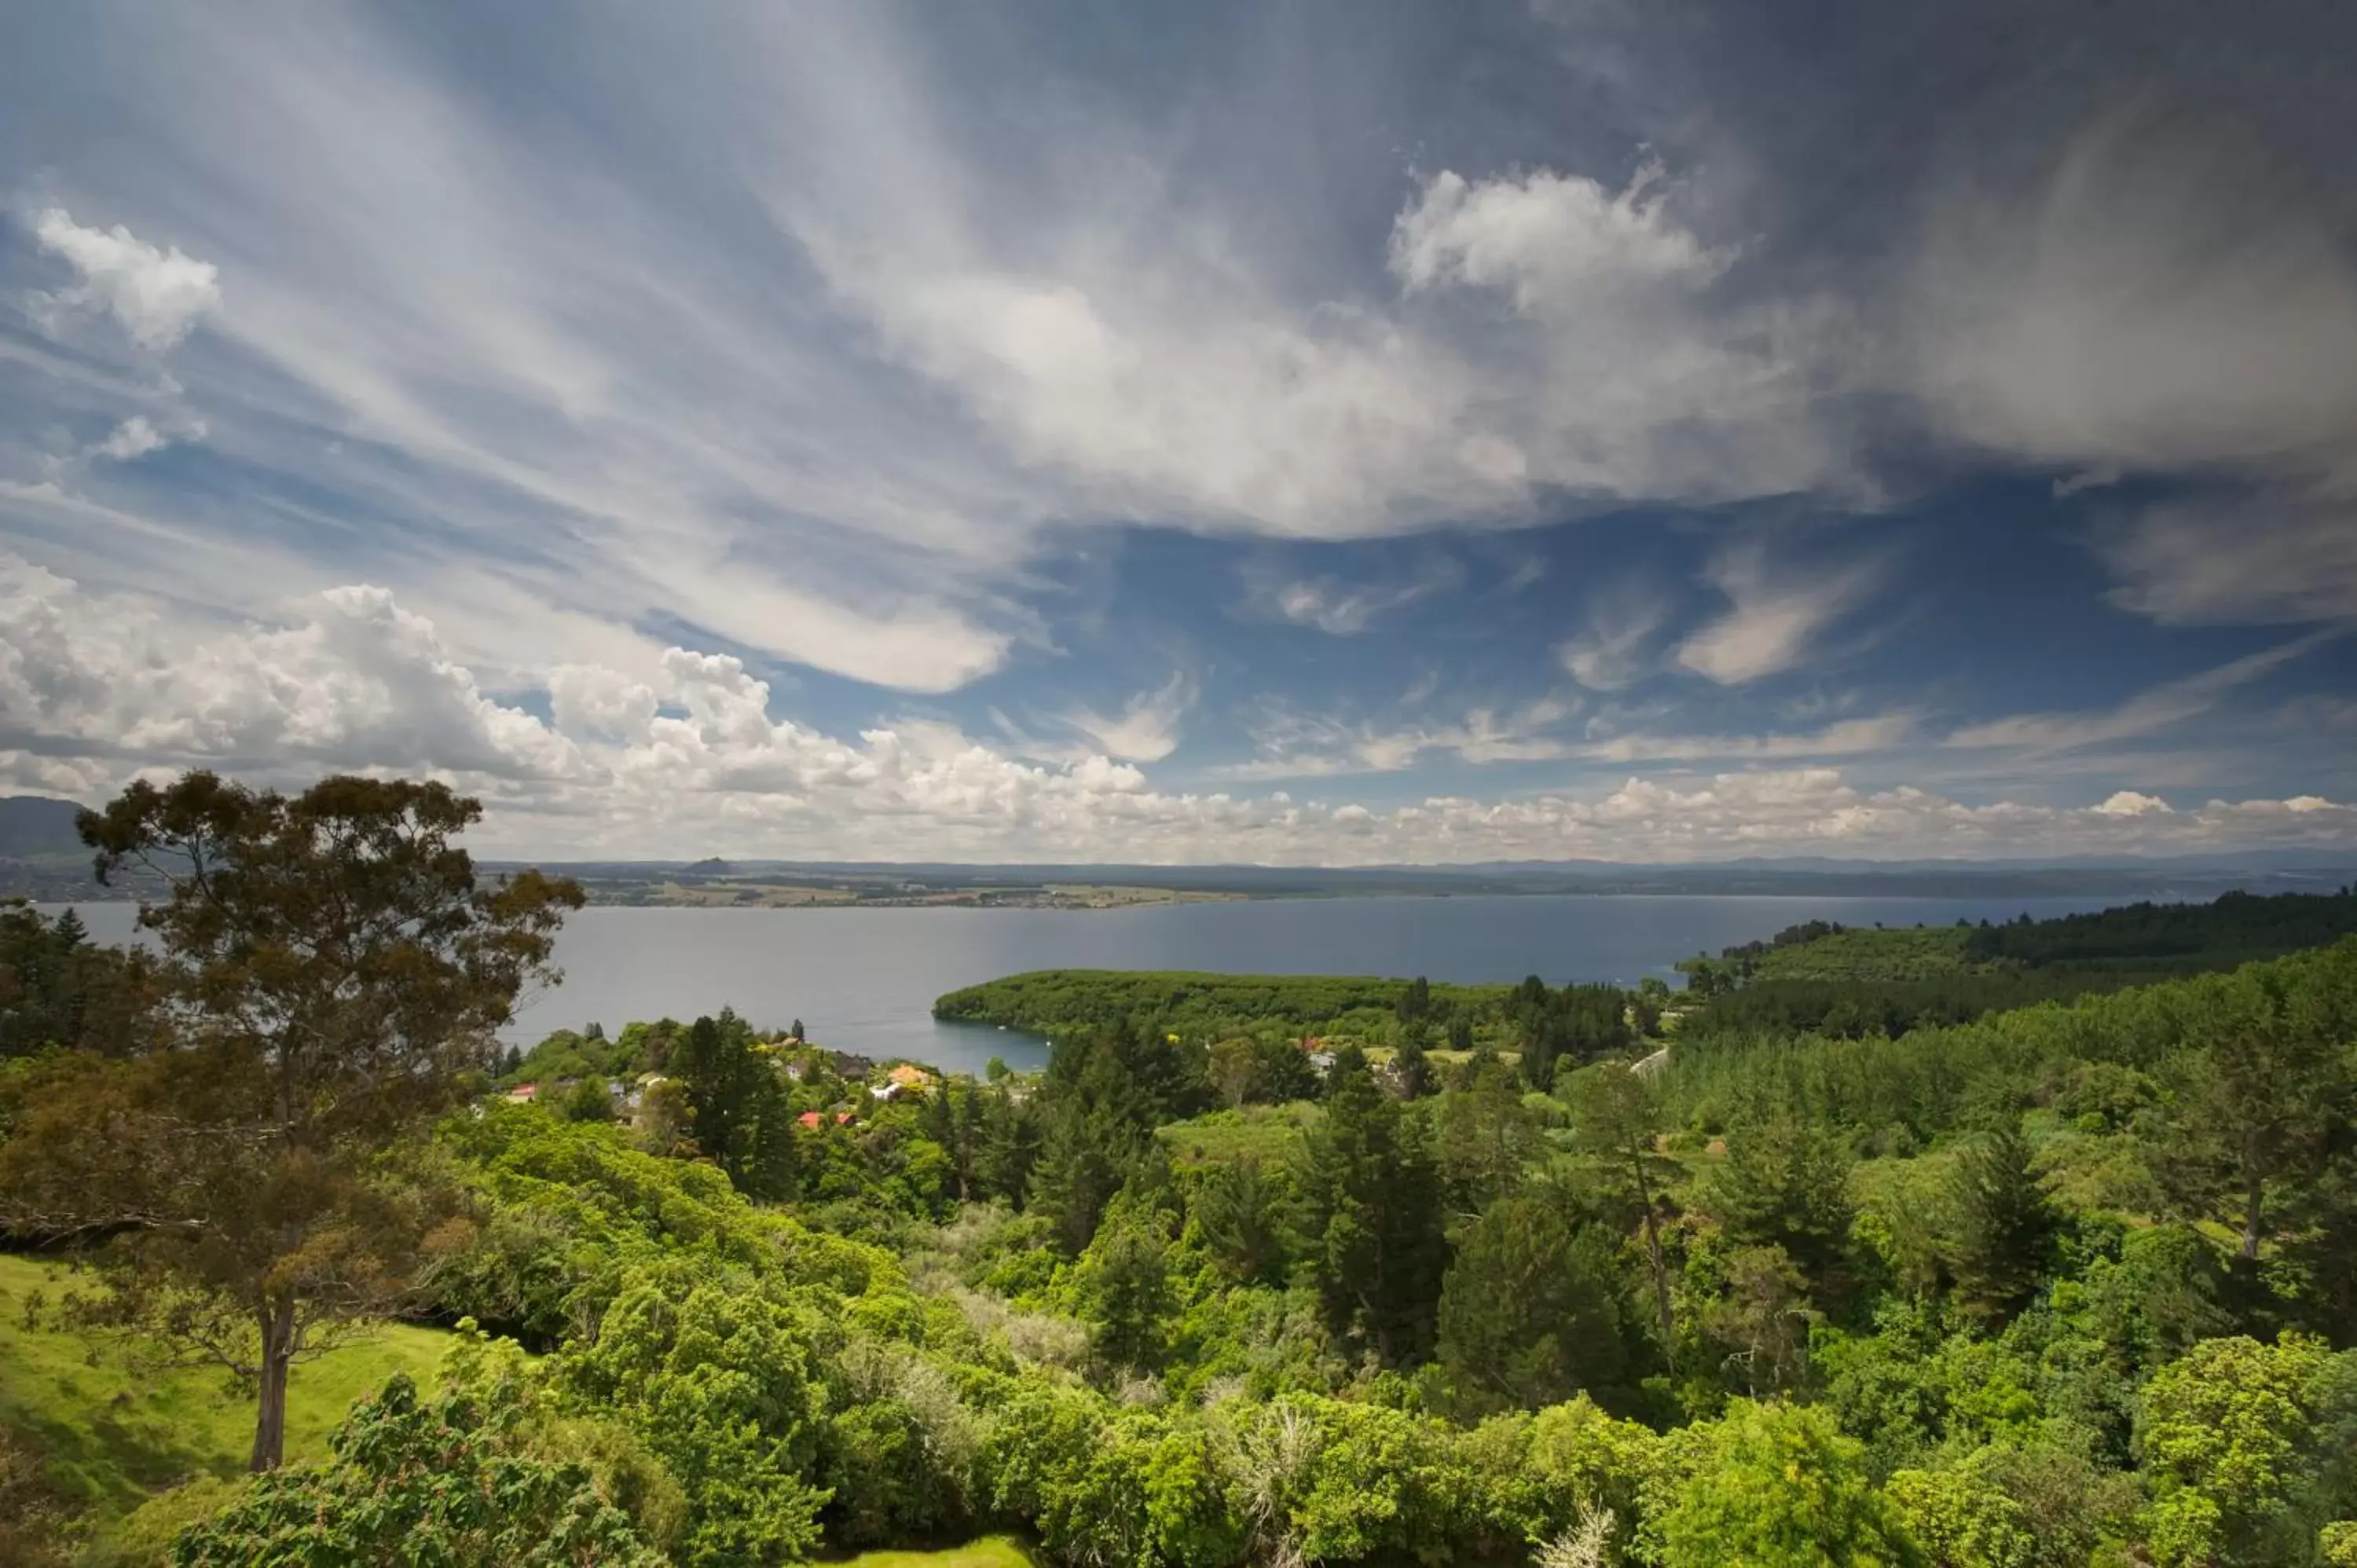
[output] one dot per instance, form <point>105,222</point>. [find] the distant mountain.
<point>35,826</point>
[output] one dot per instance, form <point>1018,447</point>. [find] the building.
<point>524,1093</point>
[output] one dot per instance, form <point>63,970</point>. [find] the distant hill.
<point>33,826</point>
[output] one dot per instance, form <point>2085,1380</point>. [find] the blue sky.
<point>1326,433</point>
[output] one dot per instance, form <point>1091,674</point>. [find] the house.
<point>908,1077</point>
<point>524,1093</point>
<point>1322,1060</point>
<point>848,1064</point>
<point>844,1118</point>
<point>811,1119</point>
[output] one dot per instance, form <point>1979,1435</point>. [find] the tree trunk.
<point>277,1324</point>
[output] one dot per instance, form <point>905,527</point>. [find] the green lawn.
<point>1271,1133</point>
<point>116,1432</point>
<point>991,1552</point>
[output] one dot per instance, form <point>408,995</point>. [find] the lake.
<point>864,980</point>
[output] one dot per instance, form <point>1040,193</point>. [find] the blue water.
<point>864,980</point>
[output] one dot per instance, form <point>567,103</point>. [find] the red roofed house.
<point>809,1119</point>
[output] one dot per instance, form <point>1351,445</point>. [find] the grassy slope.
<point>116,1433</point>
<point>991,1552</point>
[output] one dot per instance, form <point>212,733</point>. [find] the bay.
<point>864,980</point>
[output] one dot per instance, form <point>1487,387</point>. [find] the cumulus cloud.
<point>154,295</point>
<point>362,683</point>
<point>95,687</point>
<point>1780,610</point>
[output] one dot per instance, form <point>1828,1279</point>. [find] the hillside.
<point>161,1425</point>
<point>1826,978</point>
<point>32,826</point>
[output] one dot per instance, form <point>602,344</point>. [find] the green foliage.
<point>1373,1215</point>
<point>742,1119</point>
<point>714,1374</point>
<point>2237,1436</point>
<point>436,1483</point>
<point>1531,1313</point>
<point>1999,1225</point>
<point>1778,1486</point>
<point>58,989</point>
<point>1060,1002</point>
<point>1786,1185</point>
<point>329,965</point>
<point>1961,1518</point>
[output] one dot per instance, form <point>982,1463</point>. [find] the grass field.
<point>116,1432</point>
<point>991,1552</point>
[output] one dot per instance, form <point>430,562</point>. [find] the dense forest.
<point>1822,977</point>
<point>1530,1274</point>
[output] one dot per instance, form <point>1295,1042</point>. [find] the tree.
<point>1999,1225</point>
<point>332,972</point>
<point>1778,1487</point>
<point>1239,1212</point>
<point>1786,1185</point>
<point>1529,1315</point>
<point>2234,1434</point>
<point>1486,1137</point>
<point>1761,1318</point>
<point>58,988</point>
<point>1124,1281</point>
<point>2256,1105</point>
<point>1377,1250</point>
<point>588,1101</point>
<point>1410,1070</point>
<point>444,1481</point>
<point>744,1123</point>
<point>1615,1120</point>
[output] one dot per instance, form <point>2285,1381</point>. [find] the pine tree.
<point>1410,1070</point>
<point>1999,1225</point>
<point>1786,1185</point>
<point>1530,1312</point>
<point>1374,1216</point>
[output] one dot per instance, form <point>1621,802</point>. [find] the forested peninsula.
<point>2027,1246</point>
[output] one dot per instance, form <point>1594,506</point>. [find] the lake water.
<point>864,980</point>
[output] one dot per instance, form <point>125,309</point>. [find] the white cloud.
<point>1610,651</point>
<point>155,295</point>
<point>1552,241</point>
<point>362,683</point>
<point>2269,558</point>
<point>2165,299</point>
<point>1845,737</point>
<point>1147,728</point>
<point>2149,712</point>
<point>1780,610</point>
<point>1339,609</point>
<point>96,687</point>
<point>137,436</point>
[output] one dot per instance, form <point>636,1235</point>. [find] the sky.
<point>1320,433</point>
